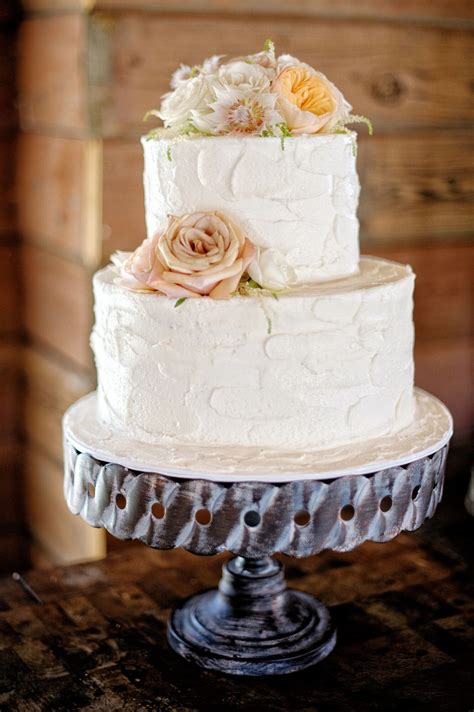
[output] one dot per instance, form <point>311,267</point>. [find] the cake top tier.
<point>257,94</point>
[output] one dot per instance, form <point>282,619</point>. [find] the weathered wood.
<point>400,10</point>
<point>416,185</point>
<point>61,178</point>
<point>444,367</point>
<point>7,78</point>
<point>51,386</point>
<point>7,197</point>
<point>52,73</point>
<point>64,539</point>
<point>445,12</point>
<point>57,303</point>
<point>10,321</point>
<point>400,77</point>
<point>10,410</point>
<point>124,220</point>
<point>443,306</point>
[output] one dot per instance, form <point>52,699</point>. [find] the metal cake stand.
<point>252,624</point>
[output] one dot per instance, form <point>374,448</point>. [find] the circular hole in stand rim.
<point>203,517</point>
<point>120,501</point>
<point>158,510</point>
<point>414,494</point>
<point>91,489</point>
<point>347,512</point>
<point>252,518</point>
<point>302,518</point>
<point>386,503</point>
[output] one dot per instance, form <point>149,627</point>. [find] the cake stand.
<point>252,624</point>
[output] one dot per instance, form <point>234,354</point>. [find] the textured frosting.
<point>336,368</point>
<point>430,429</point>
<point>299,202</point>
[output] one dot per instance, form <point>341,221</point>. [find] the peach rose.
<point>309,102</point>
<point>201,254</point>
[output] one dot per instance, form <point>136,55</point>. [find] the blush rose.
<point>200,254</point>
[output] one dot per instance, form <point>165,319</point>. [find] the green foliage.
<point>180,301</point>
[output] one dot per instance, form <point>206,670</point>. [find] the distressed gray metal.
<point>252,624</point>
<point>253,519</point>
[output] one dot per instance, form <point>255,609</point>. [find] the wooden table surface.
<point>97,640</point>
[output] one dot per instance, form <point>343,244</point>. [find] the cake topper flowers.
<point>258,94</point>
<point>199,254</point>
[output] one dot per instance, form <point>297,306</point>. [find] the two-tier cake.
<point>246,325</point>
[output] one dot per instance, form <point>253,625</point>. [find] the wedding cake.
<point>247,317</point>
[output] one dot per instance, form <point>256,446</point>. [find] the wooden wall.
<point>87,74</point>
<point>12,549</point>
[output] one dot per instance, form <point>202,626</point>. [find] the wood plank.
<point>10,495</point>
<point>419,184</point>
<point>60,192</point>
<point>57,303</point>
<point>10,318</point>
<point>50,387</point>
<point>400,77</point>
<point>399,10</point>
<point>52,72</point>
<point>63,536</point>
<point>444,368</point>
<point>7,191</point>
<point>10,410</point>
<point>443,287</point>
<point>124,220</point>
<point>7,78</point>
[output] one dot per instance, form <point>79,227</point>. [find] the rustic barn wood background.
<point>86,73</point>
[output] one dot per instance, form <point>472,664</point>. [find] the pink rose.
<point>201,254</point>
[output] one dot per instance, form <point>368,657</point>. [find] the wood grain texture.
<point>50,387</point>
<point>10,410</point>
<point>123,219</point>
<point>443,306</point>
<point>7,78</point>
<point>10,321</point>
<point>419,10</point>
<point>417,185</point>
<point>7,190</point>
<point>61,177</point>
<point>400,76</point>
<point>63,538</point>
<point>57,303</point>
<point>52,73</point>
<point>445,369</point>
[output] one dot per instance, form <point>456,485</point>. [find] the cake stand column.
<point>252,624</point>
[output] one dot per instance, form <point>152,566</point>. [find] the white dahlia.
<point>238,111</point>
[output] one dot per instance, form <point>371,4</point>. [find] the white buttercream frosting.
<point>336,368</point>
<point>297,202</point>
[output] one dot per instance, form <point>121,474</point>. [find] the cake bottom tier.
<point>310,369</point>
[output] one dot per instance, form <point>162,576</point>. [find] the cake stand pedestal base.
<point>252,624</point>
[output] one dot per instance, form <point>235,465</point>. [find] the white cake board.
<point>431,430</point>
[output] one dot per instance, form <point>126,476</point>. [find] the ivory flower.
<point>270,270</point>
<point>309,102</point>
<point>190,98</point>
<point>239,111</point>
<point>185,72</point>
<point>200,254</point>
